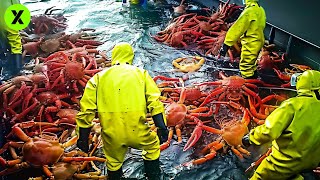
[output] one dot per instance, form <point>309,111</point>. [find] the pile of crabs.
<point>228,107</point>
<point>205,33</point>
<point>39,107</point>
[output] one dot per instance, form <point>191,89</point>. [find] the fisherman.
<point>10,44</point>
<point>249,28</point>
<point>142,3</point>
<point>122,95</point>
<point>294,131</point>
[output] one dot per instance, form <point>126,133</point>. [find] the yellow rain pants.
<point>134,1</point>
<point>6,34</point>
<point>294,131</point>
<point>122,95</point>
<point>249,28</point>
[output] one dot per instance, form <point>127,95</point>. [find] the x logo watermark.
<point>17,17</point>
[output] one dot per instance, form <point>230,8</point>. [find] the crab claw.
<point>195,136</point>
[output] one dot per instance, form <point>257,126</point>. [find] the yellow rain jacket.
<point>6,34</point>
<point>122,95</point>
<point>249,28</point>
<point>294,131</point>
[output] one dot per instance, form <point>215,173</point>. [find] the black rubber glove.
<point>15,62</point>
<point>224,49</point>
<point>246,140</point>
<point>162,129</point>
<point>83,141</point>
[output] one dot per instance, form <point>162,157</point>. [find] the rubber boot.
<point>13,66</point>
<point>15,61</point>
<point>152,169</point>
<point>115,175</point>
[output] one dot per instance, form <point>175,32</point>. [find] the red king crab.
<point>70,171</point>
<point>22,85</point>
<point>47,23</point>
<point>232,88</point>
<point>40,152</point>
<point>182,38</point>
<point>212,45</point>
<point>169,82</point>
<point>231,133</point>
<point>43,47</point>
<point>46,102</point>
<point>171,88</point>
<point>81,38</point>
<point>181,9</point>
<point>194,96</point>
<point>66,116</point>
<point>71,72</point>
<point>176,115</point>
<point>267,60</point>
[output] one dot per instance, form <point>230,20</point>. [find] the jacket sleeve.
<point>88,104</point>
<point>13,37</point>
<point>274,125</point>
<point>153,93</point>
<point>14,41</point>
<point>238,28</point>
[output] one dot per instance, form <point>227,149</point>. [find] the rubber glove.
<point>162,129</point>
<point>245,140</point>
<point>83,141</point>
<point>224,49</point>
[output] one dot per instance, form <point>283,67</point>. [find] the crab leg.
<point>197,132</point>
<point>18,93</point>
<point>47,172</point>
<point>165,78</point>
<point>70,159</point>
<point>15,168</point>
<point>270,97</point>
<point>89,176</point>
<point>236,152</point>
<point>25,112</point>
<point>251,93</point>
<point>195,136</point>
<point>9,163</point>
<point>282,76</point>
<point>255,164</point>
<point>166,144</point>
<point>214,147</point>
<point>254,111</point>
<point>201,109</point>
<point>71,142</point>
<point>10,144</point>
<point>216,91</point>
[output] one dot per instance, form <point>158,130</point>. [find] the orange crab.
<point>38,152</point>
<point>188,64</point>
<point>232,88</point>
<point>231,134</point>
<point>176,115</point>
